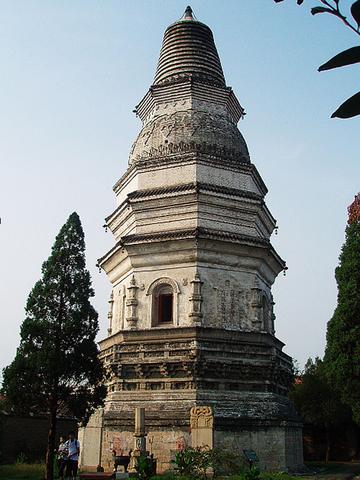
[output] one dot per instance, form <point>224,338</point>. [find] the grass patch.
<point>277,476</point>
<point>22,471</point>
<point>332,469</point>
<point>263,476</point>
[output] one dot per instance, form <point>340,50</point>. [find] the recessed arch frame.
<point>153,287</point>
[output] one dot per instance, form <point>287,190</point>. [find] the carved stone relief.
<point>201,417</point>
<point>185,127</point>
<point>262,310</point>
<point>201,424</point>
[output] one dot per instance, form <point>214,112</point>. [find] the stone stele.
<point>191,320</point>
<point>201,427</point>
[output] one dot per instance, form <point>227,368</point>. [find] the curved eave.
<point>188,88</point>
<point>102,260</point>
<point>195,233</point>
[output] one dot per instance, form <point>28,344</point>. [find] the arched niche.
<point>163,293</point>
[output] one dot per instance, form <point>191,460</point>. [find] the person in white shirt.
<point>73,447</point>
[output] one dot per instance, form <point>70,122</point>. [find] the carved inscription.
<point>231,305</point>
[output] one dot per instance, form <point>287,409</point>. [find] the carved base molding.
<point>195,359</point>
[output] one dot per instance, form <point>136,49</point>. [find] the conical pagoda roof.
<point>189,50</point>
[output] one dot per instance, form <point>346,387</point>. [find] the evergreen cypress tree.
<point>342,355</point>
<point>57,365</point>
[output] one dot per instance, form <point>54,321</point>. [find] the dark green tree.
<point>351,107</point>
<point>317,402</point>
<point>56,365</point>
<point>342,355</point>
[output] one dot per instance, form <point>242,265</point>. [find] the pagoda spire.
<point>189,50</point>
<point>188,14</point>
<point>189,107</point>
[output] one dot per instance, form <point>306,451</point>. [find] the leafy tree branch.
<point>351,107</point>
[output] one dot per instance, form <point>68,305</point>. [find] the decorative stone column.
<point>110,313</point>
<point>273,316</point>
<point>196,299</point>
<point>257,308</point>
<point>139,438</point>
<point>131,304</point>
<point>201,424</point>
<point>139,434</point>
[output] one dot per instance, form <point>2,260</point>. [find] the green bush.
<point>252,474</point>
<point>21,459</point>
<point>227,463</point>
<point>193,462</point>
<point>144,468</point>
<point>185,461</point>
<point>199,463</point>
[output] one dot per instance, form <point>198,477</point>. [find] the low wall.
<point>28,436</point>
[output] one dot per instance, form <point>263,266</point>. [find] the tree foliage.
<point>56,367</point>
<point>342,355</point>
<point>351,107</point>
<point>316,401</point>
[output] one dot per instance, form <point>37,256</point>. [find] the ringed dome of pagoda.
<point>189,50</point>
<point>189,108</point>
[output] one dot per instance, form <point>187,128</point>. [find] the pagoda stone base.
<point>242,376</point>
<point>277,444</point>
<point>278,447</point>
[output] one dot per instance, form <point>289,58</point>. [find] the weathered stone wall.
<point>270,443</point>
<point>294,446</point>
<point>163,444</point>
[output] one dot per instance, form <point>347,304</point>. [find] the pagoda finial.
<point>354,210</point>
<point>188,14</point>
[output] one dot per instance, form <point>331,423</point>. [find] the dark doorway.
<point>165,308</point>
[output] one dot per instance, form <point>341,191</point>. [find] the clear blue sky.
<point>71,73</point>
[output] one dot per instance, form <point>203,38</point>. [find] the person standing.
<point>73,447</point>
<point>62,455</point>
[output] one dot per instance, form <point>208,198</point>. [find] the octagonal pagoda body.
<point>191,319</point>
